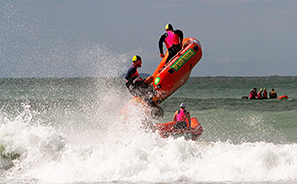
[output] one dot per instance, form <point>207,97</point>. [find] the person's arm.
<point>149,80</point>
<point>174,116</point>
<point>189,118</point>
<point>130,72</point>
<point>161,40</point>
<point>181,35</point>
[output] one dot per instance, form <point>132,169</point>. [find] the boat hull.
<point>167,129</point>
<point>171,76</point>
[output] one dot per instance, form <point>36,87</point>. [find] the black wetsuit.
<point>272,94</point>
<point>132,71</point>
<point>134,82</point>
<point>137,86</point>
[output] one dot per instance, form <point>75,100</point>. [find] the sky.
<point>95,38</point>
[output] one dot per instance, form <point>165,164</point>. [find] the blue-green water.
<point>68,131</point>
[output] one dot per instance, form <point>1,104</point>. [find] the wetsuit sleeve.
<point>189,118</point>
<point>130,72</point>
<point>161,40</point>
<point>174,116</point>
<point>180,35</point>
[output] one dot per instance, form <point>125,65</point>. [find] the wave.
<point>127,153</point>
<point>69,132</point>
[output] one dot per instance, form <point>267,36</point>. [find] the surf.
<point>131,155</point>
<point>78,138</point>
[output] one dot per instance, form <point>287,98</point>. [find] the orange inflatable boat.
<point>167,78</point>
<point>171,76</point>
<point>167,129</point>
<point>283,97</point>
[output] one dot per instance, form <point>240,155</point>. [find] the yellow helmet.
<point>136,58</point>
<point>168,27</point>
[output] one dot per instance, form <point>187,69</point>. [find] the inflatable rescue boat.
<point>283,97</point>
<point>171,76</point>
<point>167,129</point>
<point>167,78</point>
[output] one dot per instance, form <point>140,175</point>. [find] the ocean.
<point>67,130</point>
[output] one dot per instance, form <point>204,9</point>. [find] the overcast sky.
<point>94,38</point>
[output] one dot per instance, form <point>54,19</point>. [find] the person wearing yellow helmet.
<point>136,85</point>
<point>172,39</point>
<point>259,95</point>
<point>253,93</point>
<point>264,94</point>
<point>132,77</point>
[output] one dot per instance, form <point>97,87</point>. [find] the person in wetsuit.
<point>133,81</point>
<point>253,93</point>
<point>173,40</point>
<point>264,94</point>
<point>135,84</point>
<point>181,116</point>
<point>272,94</point>
<point>260,94</point>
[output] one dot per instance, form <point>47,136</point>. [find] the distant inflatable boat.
<point>283,97</point>
<point>167,129</point>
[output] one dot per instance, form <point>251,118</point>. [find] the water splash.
<point>23,143</point>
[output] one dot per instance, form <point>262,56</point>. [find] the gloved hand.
<point>149,80</point>
<point>162,55</point>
